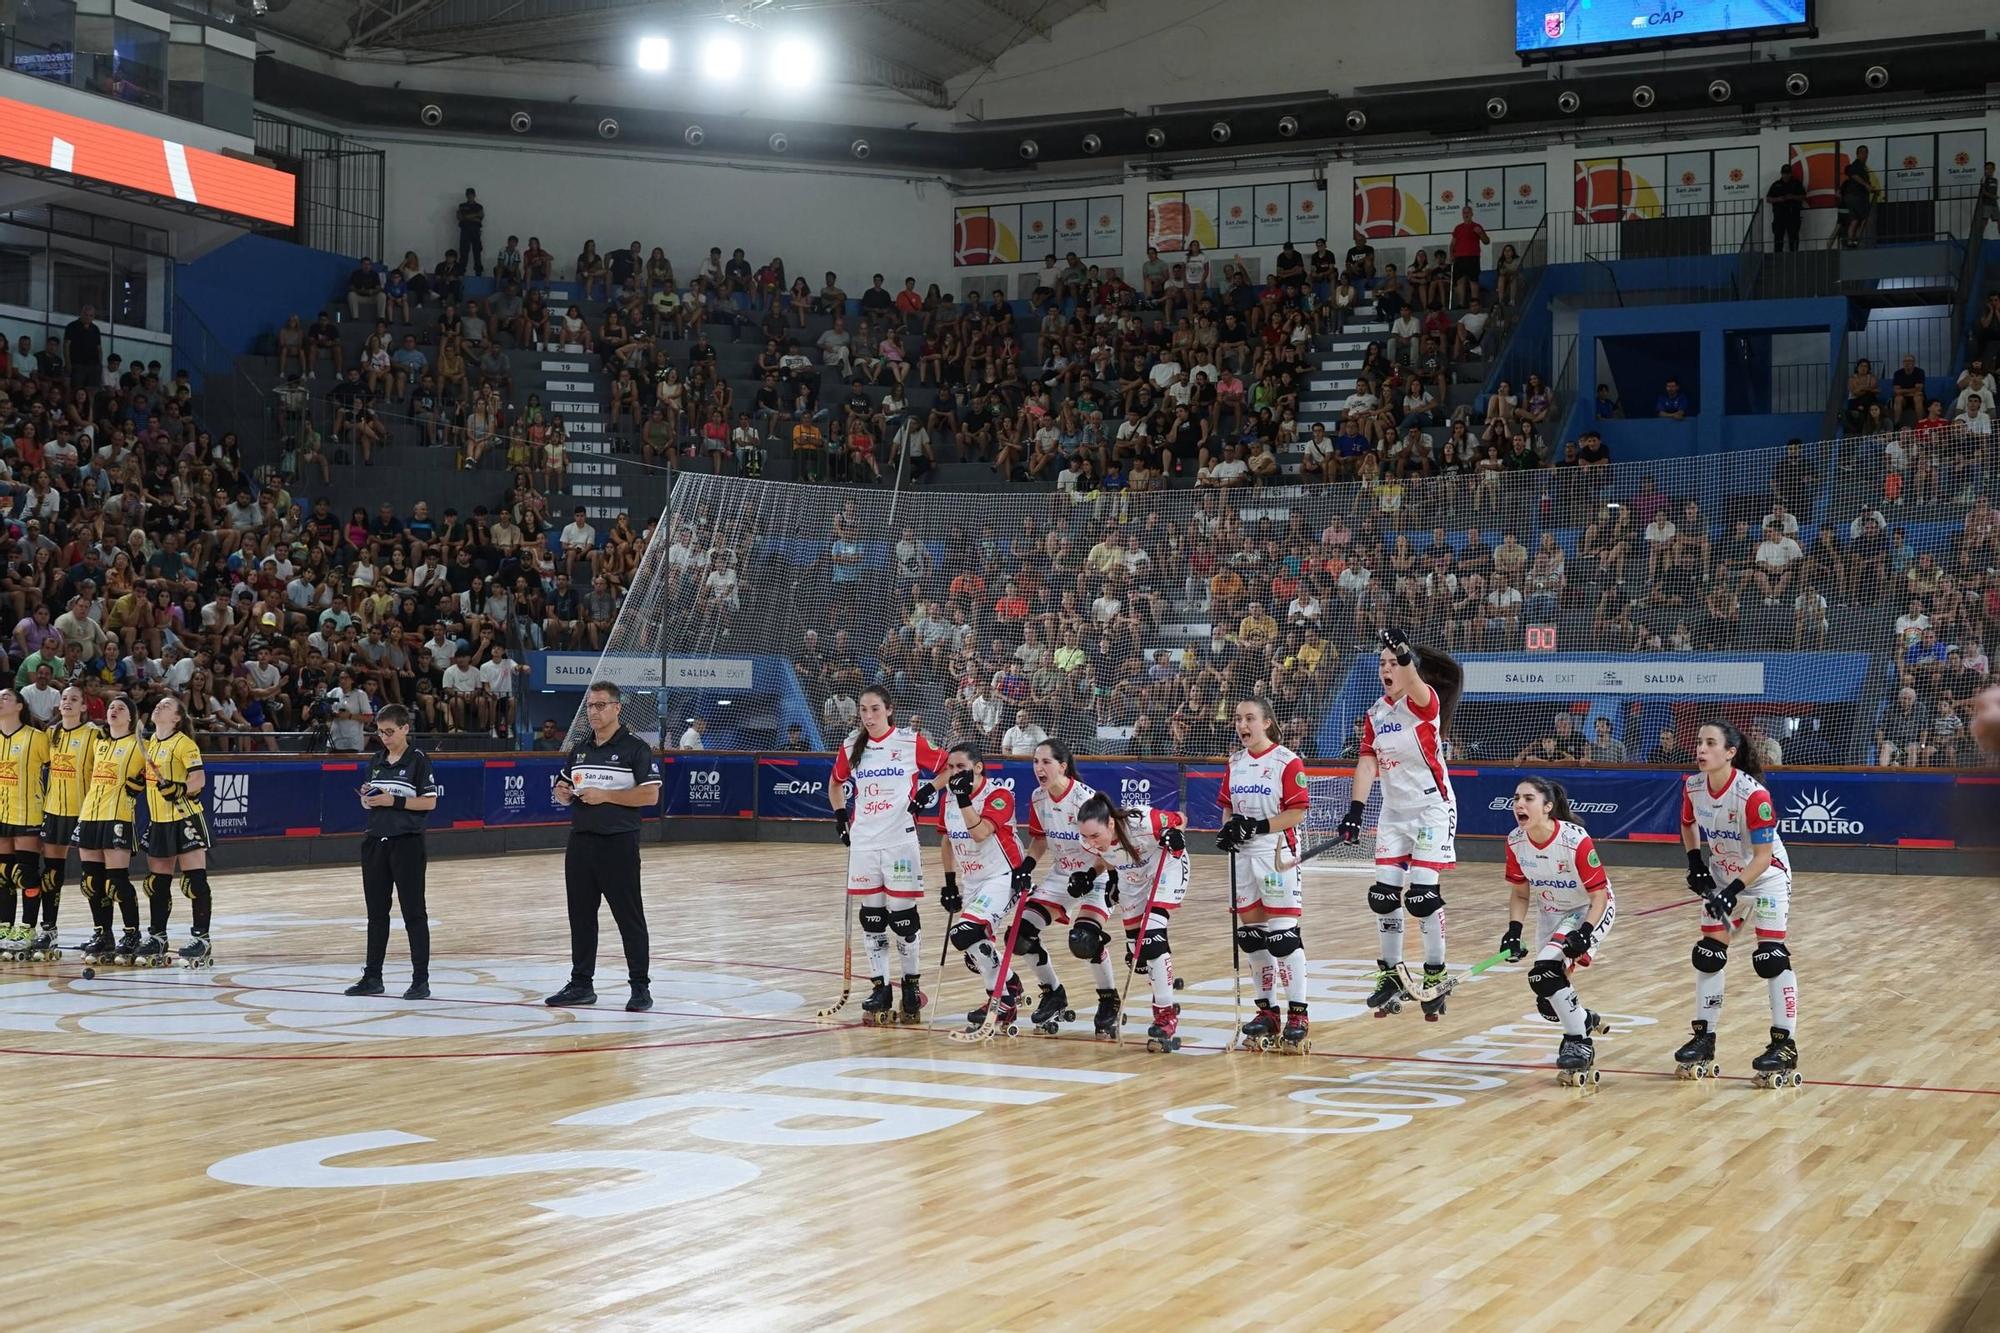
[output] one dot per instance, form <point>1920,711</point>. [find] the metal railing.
<point>253,742</point>
<point>341,185</point>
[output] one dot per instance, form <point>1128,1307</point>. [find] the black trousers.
<point>1785,231</point>
<point>395,866</point>
<point>470,252</point>
<point>604,867</point>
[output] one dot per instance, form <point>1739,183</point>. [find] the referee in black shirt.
<point>606,780</point>
<point>399,795</point>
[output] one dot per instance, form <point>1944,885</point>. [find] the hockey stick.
<point>1235,959</point>
<point>846,956</point>
<point>989,1026</point>
<point>1425,994</point>
<point>1139,940</point>
<point>1335,841</point>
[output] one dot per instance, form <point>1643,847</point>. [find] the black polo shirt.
<point>408,776</point>
<point>620,764</point>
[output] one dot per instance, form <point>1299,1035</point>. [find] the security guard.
<point>399,795</point>
<point>607,780</point>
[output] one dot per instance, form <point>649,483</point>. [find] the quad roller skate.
<point>1697,1058</point>
<point>1293,1040</point>
<point>99,948</point>
<point>1594,1024</point>
<point>878,1010</point>
<point>152,952</point>
<point>914,1000</point>
<point>1051,1010</point>
<point>1014,992</point>
<point>1261,1032</point>
<point>1004,1019</point>
<point>1778,1066</point>
<point>1388,996</point>
<point>1161,1035</point>
<point>197,953</point>
<point>126,952</point>
<point>1104,1023</point>
<point>1433,1009</point>
<point>1576,1063</point>
<point>40,948</point>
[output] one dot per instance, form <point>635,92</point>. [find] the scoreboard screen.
<point>1553,29</point>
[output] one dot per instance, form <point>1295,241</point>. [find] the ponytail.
<point>1441,671</point>
<point>1100,808</point>
<point>858,746</point>
<point>1552,792</point>
<point>1746,759</point>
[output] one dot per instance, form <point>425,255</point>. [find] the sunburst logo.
<point>1818,813</point>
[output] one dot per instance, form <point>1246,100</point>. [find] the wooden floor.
<point>249,1148</point>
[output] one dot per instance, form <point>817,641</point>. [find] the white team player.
<point>1266,797</point>
<point>980,843</point>
<point>1071,886</point>
<point>888,768</point>
<point>1402,745</point>
<point>1725,804</point>
<point>1148,850</point>
<point>1551,858</point>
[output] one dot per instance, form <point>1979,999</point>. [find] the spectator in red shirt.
<point>910,303</point>
<point>1011,606</point>
<point>1466,239</point>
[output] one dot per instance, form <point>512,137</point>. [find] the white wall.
<point>854,224</point>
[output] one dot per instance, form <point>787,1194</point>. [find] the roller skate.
<point>1004,1024</point>
<point>39,947</point>
<point>912,1012</point>
<point>1051,1010</point>
<point>1778,1066</point>
<point>878,1010</point>
<point>1576,1063</point>
<point>1697,1058</point>
<point>126,952</point>
<point>152,952</point>
<point>99,948</point>
<point>1388,996</point>
<point>1105,1022</point>
<point>1594,1024</point>
<point>12,940</point>
<point>1261,1032</point>
<point>1160,1035</point>
<point>197,953</point>
<point>1294,1041</point>
<point>1433,1009</point>
<point>1014,993</point>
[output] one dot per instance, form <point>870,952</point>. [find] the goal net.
<point>1330,795</point>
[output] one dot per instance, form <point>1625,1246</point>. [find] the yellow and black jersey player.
<point>72,745</point>
<point>24,755</point>
<point>103,834</point>
<point>177,838</point>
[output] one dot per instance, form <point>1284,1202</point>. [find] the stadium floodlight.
<point>795,63</point>
<point>655,53</point>
<point>722,58</point>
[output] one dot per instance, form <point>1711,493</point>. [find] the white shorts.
<point>990,900</point>
<point>1427,836</point>
<point>1053,894</point>
<point>1172,888</point>
<point>1765,906</point>
<point>1549,919</point>
<point>1259,882</point>
<point>896,872</point>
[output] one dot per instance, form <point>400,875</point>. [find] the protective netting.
<point>1330,795</point>
<point>1127,623</point>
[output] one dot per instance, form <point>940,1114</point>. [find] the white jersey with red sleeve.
<point>884,782</point>
<point>1405,743</point>
<point>1260,786</point>
<point>994,859</point>
<point>1154,866</point>
<point>1054,818</point>
<point>1561,873</point>
<point>1734,822</point>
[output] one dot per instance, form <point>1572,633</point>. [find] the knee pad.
<point>1771,959</point>
<point>967,935</point>
<point>1152,944</point>
<point>905,923</point>
<point>194,885</point>
<point>162,886</point>
<point>1385,898</point>
<point>874,920</point>
<point>1285,942</point>
<point>1546,1010</point>
<point>1087,939</point>
<point>91,884</point>
<point>1028,940</point>
<point>1424,900</point>
<point>1548,978</point>
<point>1710,955</point>
<point>1251,939</point>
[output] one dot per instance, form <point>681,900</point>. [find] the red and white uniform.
<point>1419,821</point>
<point>1261,786</point>
<point>1561,875</point>
<point>1054,818</point>
<point>883,854</point>
<point>986,868</point>
<point>1145,826</point>
<point>1734,822</point>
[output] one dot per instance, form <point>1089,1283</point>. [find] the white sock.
<point>1262,972</point>
<point>910,953</point>
<point>1045,971</point>
<point>1161,973</point>
<point>878,952</point>
<point>1389,929</point>
<point>987,959</point>
<point>1708,998</point>
<point>1784,1000</point>
<point>1433,928</point>
<point>1570,1009</point>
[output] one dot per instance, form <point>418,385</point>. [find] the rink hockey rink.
<point>247,1147</point>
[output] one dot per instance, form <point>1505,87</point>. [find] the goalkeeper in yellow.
<point>178,836</point>
<point>24,755</point>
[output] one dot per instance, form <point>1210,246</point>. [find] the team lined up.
<point>1093,856</point>
<point>77,784</point>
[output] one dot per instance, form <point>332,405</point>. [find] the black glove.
<point>1349,830</point>
<point>1722,902</point>
<point>1700,882</point>
<point>173,791</point>
<point>1510,943</point>
<point>921,798</point>
<point>1022,878</point>
<point>842,818</point>
<point>948,897</point>
<point>1398,643</point>
<point>1079,883</point>
<point>1232,835</point>
<point>1577,942</point>
<point>961,785</point>
<point>1173,840</point>
<point>1111,888</point>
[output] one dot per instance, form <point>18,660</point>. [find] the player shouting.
<point>1552,858</point>
<point>1265,796</point>
<point>1071,884</point>
<point>1149,853</point>
<point>980,842</point>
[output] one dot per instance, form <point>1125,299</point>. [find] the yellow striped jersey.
<point>71,750</point>
<point>23,756</point>
<point>114,761</point>
<point>171,760</point>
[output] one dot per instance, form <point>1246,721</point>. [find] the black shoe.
<point>418,990</point>
<point>576,992</point>
<point>641,999</point>
<point>366,986</point>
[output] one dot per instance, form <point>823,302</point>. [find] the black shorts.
<point>170,838</point>
<point>59,829</point>
<point>1466,267</point>
<point>32,832</point>
<point>103,835</point>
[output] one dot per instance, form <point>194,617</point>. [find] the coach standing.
<point>399,796</point>
<point>606,780</point>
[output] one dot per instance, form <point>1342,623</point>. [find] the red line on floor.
<point>1663,907</point>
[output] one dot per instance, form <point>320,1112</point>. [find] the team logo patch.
<point>1763,809</point>
<point>1554,23</point>
<point>997,803</point>
<point>1592,860</point>
<point>1299,778</point>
